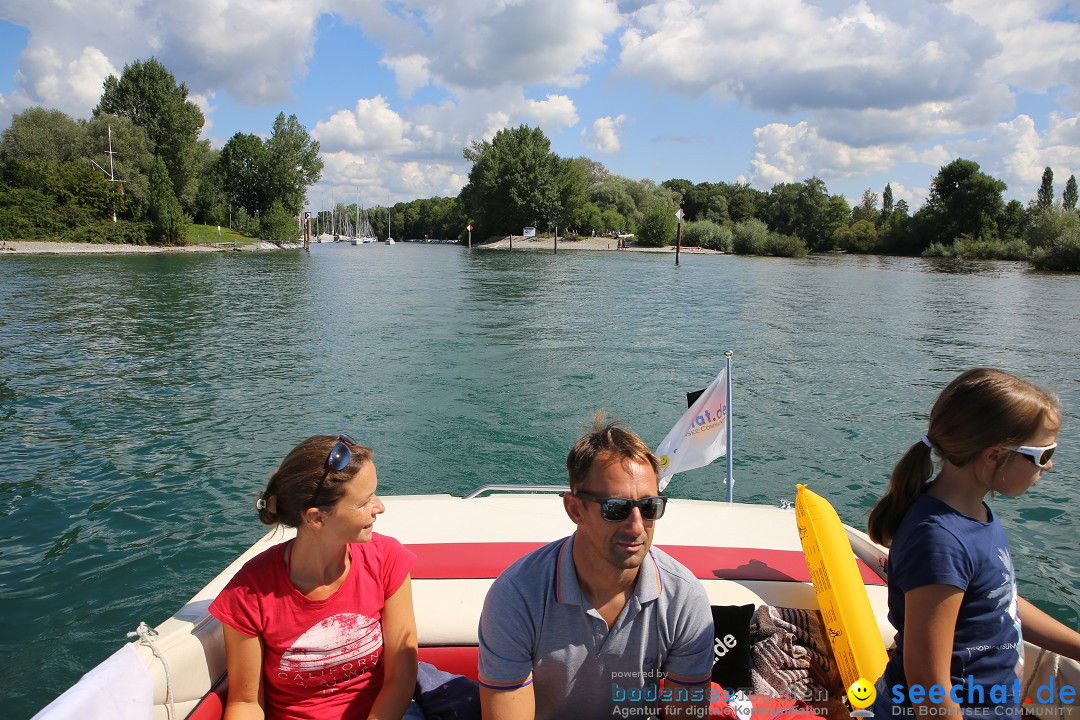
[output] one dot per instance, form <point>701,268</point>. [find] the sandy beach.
<point>35,247</point>
<point>586,243</point>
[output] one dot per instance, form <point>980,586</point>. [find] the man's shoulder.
<point>677,582</point>
<point>534,565</point>
<point>670,568</point>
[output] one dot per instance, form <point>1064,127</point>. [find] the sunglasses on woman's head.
<point>337,460</point>
<point>618,509</point>
<point>1038,455</point>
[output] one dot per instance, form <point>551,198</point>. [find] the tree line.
<point>58,180</point>
<point>516,181</point>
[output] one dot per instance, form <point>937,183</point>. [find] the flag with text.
<point>700,436</point>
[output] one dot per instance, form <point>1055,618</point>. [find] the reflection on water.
<point>145,400</point>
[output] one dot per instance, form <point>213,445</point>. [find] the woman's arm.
<point>243,659</point>
<point>1046,632</point>
<point>399,655</point>
<point>930,614</point>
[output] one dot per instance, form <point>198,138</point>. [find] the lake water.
<point>144,400</point>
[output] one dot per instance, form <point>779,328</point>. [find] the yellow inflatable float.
<point>841,595</point>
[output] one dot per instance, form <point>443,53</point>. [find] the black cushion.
<point>731,645</point>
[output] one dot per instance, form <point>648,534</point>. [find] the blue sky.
<point>859,93</point>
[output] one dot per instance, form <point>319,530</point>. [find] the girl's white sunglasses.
<point>1038,455</point>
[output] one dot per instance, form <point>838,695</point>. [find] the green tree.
<point>860,237</point>
<point>837,215</point>
<point>867,208</point>
<point>743,201</point>
<point>800,209</point>
<point>513,180</point>
<point>657,226</point>
<point>148,94</point>
<point>751,237</point>
<point>887,200</point>
<point>292,164</point>
<point>1045,197</point>
<point>242,164</point>
<point>1060,248</point>
<point>168,223</point>
<point>1013,221</point>
<point>132,159</point>
<point>37,133</point>
<point>278,225</point>
<point>963,201</point>
<point>595,172</point>
<point>1068,199</point>
<point>573,209</point>
<point>708,234</point>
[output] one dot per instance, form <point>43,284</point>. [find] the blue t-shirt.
<point>936,545</point>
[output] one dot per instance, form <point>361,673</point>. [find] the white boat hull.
<point>742,554</point>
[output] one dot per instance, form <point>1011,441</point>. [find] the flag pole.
<point>730,461</point>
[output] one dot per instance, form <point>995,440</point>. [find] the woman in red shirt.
<point>321,627</point>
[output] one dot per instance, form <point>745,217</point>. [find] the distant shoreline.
<point>45,247</point>
<point>586,243</point>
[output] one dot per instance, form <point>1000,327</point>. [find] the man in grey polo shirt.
<point>586,626</point>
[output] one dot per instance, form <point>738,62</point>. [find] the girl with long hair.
<point>952,588</point>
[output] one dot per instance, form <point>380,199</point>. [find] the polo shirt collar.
<point>567,590</point>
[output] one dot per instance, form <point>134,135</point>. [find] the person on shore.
<point>321,626</point>
<point>586,626</point>
<point>952,589</point>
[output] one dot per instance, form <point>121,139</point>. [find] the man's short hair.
<point>606,437</point>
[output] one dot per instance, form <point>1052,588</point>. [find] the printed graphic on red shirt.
<point>341,647</point>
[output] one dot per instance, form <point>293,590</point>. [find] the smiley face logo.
<point>861,694</point>
<point>664,462</point>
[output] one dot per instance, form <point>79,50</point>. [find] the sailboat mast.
<point>112,177</point>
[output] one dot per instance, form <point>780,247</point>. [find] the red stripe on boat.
<point>444,561</point>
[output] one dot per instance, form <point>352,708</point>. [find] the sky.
<point>860,94</point>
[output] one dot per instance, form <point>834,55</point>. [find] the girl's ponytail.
<point>908,478</point>
<point>981,408</point>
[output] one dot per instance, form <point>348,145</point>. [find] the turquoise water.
<point>144,400</point>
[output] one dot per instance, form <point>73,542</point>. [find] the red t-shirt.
<point>321,658</point>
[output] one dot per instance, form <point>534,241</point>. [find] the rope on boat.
<point>146,634</point>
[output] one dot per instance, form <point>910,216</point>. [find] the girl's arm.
<point>399,655</point>
<point>243,659</point>
<point>1046,632</point>
<point>930,615</point>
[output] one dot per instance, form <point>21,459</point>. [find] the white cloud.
<point>69,83</point>
<point>1017,153</point>
<point>792,153</point>
<point>410,71</point>
<point>247,48</point>
<point>371,127</point>
<point>470,45</point>
<point>604,134</point>
<point>373,180</point>
<point>553,113</point>
<point>788,55</point>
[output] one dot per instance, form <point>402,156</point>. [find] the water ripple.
<point>145,400</point>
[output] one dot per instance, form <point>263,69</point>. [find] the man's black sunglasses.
<point>618,509</point>
<point>337,460</point>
